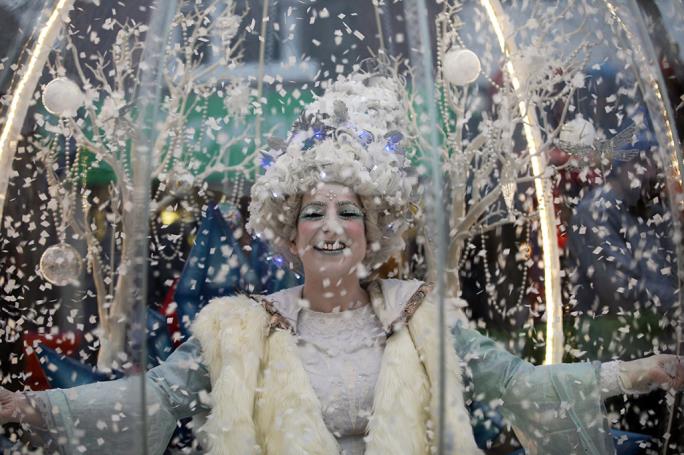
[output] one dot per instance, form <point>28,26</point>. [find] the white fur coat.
<point>263,403</point>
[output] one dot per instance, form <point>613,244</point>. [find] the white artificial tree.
<point>481,165</point>
<point>105,134</point>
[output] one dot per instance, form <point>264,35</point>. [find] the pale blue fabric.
<point>80,420</point>
<point>554,409</point>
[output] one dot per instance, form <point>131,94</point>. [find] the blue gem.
<point>266,160</point>
<point>319,133</point>
<point>394,137</point>
<point>393,140</point>
<point>366,137</point>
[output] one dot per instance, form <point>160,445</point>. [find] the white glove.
<point>649,373</point>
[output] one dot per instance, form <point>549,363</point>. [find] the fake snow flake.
<point>237,99</point>
<point>578,132</point>
<point>62,97</point>
<point>461,66</point>
<point>578,80</point>
<point>61,264</point>
<point>180,182</point>
<point>227,27</point>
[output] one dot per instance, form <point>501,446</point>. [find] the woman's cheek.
<point>356,229</point>
<point>355,226</point>
<point>307,229</point>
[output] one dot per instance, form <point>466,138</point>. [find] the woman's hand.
<point>646,374</point>
<point>16,408</point>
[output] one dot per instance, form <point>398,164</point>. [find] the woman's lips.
<point>331,247</point>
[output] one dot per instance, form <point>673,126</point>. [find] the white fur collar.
<point>396,294</point>
<point>263,401</point>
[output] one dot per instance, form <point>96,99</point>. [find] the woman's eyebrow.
<point>314,204</point>
<point>352,203</point>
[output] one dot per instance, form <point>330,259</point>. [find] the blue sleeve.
<point>107,417</point>
<point>552,408</point>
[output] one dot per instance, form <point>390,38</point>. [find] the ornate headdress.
<point>350,135</point>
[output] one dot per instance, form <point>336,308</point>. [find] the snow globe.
<point>539,144</point>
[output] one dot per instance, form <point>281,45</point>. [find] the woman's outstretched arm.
<point>552,408</point>
<point>556,408</point>
<point>107,417</point>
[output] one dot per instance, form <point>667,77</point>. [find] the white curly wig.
<point>349,135</point>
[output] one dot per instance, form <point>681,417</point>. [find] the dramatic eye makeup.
<point>346,210</point>
<point>312,211</point>
<point>349,210</point>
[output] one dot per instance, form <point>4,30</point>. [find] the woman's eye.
<point>313,215</point>
<point>351,214</point>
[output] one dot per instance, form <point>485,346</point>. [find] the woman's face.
<point>331,234</point>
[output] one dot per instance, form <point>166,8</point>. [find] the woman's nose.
<point>332,224</point>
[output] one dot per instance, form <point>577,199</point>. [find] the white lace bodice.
<point>342,353</point>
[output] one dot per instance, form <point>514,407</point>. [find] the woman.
<point>344,362</point>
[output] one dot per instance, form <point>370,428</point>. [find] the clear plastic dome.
<point>542,144</point>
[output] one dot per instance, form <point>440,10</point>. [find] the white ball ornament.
<point>461,66</point>
<point>180,182</point>
<point>579,131</point>
<point>63,97</point>
<point>61,264</point>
